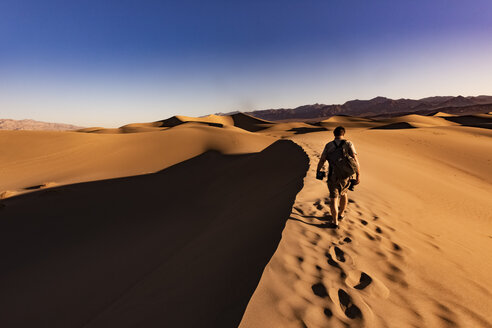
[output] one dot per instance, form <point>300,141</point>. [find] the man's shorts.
<point>337,187</point>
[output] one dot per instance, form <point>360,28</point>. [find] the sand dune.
<point>419,121</point>
<point>250,123</point>
<point>346,119</point>
<point>153,126</point>
<point>478,120</point>
<point>291,128</point>
<point>412,251</point>
<point>32,158</point>
<point>208,120</point>
<point>400,122</point>
<point>442,114</point>
<point>239,120</point>
<point>148,251</point>
<point>349,122</point>
<point>395,126</point>
<point>177,220</point>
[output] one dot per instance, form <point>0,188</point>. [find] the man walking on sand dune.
<point>342,165</point>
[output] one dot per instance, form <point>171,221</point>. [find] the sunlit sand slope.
<point>414,248</point>
<point>37,158</point>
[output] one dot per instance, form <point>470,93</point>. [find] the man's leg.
<point>334,209</point>
<point>343,203</point>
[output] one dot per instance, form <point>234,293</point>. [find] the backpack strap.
<point>342,142</point>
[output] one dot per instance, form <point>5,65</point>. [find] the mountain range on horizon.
<point>379,107</point>
<point>8,124</point>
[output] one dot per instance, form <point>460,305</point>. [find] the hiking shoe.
<point>332,225</point>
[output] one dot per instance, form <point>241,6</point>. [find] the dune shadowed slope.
<point>149,250</point>
<point>479,121</point>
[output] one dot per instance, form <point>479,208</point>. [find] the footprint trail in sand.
<point>354,276</point>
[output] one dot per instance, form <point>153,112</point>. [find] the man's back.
<point>332,145</point>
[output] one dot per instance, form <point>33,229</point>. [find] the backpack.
<point>342,165</point>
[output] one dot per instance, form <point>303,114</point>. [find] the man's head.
<point>339,131</point>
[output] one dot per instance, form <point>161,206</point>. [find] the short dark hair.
<point>339,131</point>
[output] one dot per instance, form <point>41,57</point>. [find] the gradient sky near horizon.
<point>108,63</point>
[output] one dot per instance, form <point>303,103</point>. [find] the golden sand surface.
<point>219,221</point>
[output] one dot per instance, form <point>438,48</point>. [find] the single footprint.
<point>331,261</point>
<point>350,309</point>
<point>394,268</point>
<point>319,290</point>
<point>364,281</point>
<point>364,222</point>
<point>339,254</point>
<point>369,236</point>
<point>336,255</point>
<point>358,279</point>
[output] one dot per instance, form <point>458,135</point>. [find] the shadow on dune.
<point>325,225</point>
<point>174,121</point>
<point>184,247</point>
<point>476,121</point>
<point>394,126</point>
<point>304,130</point>
<point>250,123</point>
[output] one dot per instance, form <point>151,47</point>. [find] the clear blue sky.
<point>107,63</point>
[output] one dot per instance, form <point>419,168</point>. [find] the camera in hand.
<point>352,184</point>
<point>320,175</point>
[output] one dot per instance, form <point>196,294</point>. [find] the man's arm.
<point>357,174</point>
<point>353,153</point>
<point>322,160</point>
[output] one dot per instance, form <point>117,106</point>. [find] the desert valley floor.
<point>219,221</point>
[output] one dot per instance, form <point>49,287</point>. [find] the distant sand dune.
<point>442,114</point>
<point>250,123</point>
<point>395,126</point>
<point>420,120</point>
<point>282,129</point>
<point>240,120</point>
<point>36,157</point>
<point>479,120</point>
<point>347,119</point>
<point>349,122</point>
<point>209,120</point>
